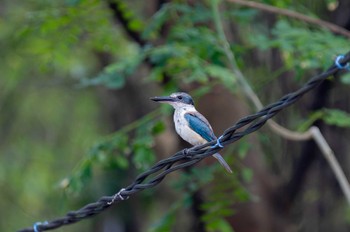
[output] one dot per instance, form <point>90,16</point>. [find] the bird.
<point>191,125</point>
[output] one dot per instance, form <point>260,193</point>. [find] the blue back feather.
<point>200,126</point>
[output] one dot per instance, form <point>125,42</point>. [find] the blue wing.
<point>200,125</point>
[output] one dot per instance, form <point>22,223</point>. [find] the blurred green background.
<point>76,122</point>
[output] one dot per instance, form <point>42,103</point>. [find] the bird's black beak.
<point>162,99</point>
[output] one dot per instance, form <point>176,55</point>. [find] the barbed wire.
<point>191,156</point>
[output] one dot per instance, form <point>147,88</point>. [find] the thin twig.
<point>333,163</point>
<point>292,14</point>
<point>288,134</point>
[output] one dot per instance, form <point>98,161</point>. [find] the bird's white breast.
<point>182,128</point>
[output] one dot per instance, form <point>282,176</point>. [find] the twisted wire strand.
<point>182,159</point>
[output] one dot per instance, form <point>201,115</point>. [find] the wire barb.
<point>339,65</point>
<point>118,195</point>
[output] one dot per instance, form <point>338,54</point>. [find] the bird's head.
<point>177,100</point>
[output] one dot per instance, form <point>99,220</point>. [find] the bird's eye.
<point>179,97</point>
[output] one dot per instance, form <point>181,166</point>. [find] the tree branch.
<point>275,10</point>
<point>120,17</point>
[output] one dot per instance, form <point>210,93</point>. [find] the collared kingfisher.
<point>192,126</point>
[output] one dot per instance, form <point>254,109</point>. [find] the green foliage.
<point>302,47</point>
<point>336,117</point>
<point>219,225</point>
<point>219,204</point>
<point>187,184</point>
<point>166,223</point>
<point>133,23</point>
<point>142,146</point>
<point>115,151</point>
<point>183,13</point>
<point>191,53</point>
<point>185,65</point>
<point>194,179</point>
<point>222,191</point>
<point>113,76</point>
<point>333,117</point>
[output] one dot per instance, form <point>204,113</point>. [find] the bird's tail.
<point>222,162</point>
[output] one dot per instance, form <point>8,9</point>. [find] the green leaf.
<point>158,128</point>
<point>122,161</point>
<point>76,182</point>
<point>241,194</point>
<point>134,24</point>
<point>143,157</point>
<point>157,74</point>
<point>120,141</point>
<point>113,76</point>
<point>301,47</point>
<point>219,225</point>
<point>157,21</point>
<point>72,2</point>
<point>114,81</point>
<point>336,117</point>
<point>224,74</point>
<point>311,119</point>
